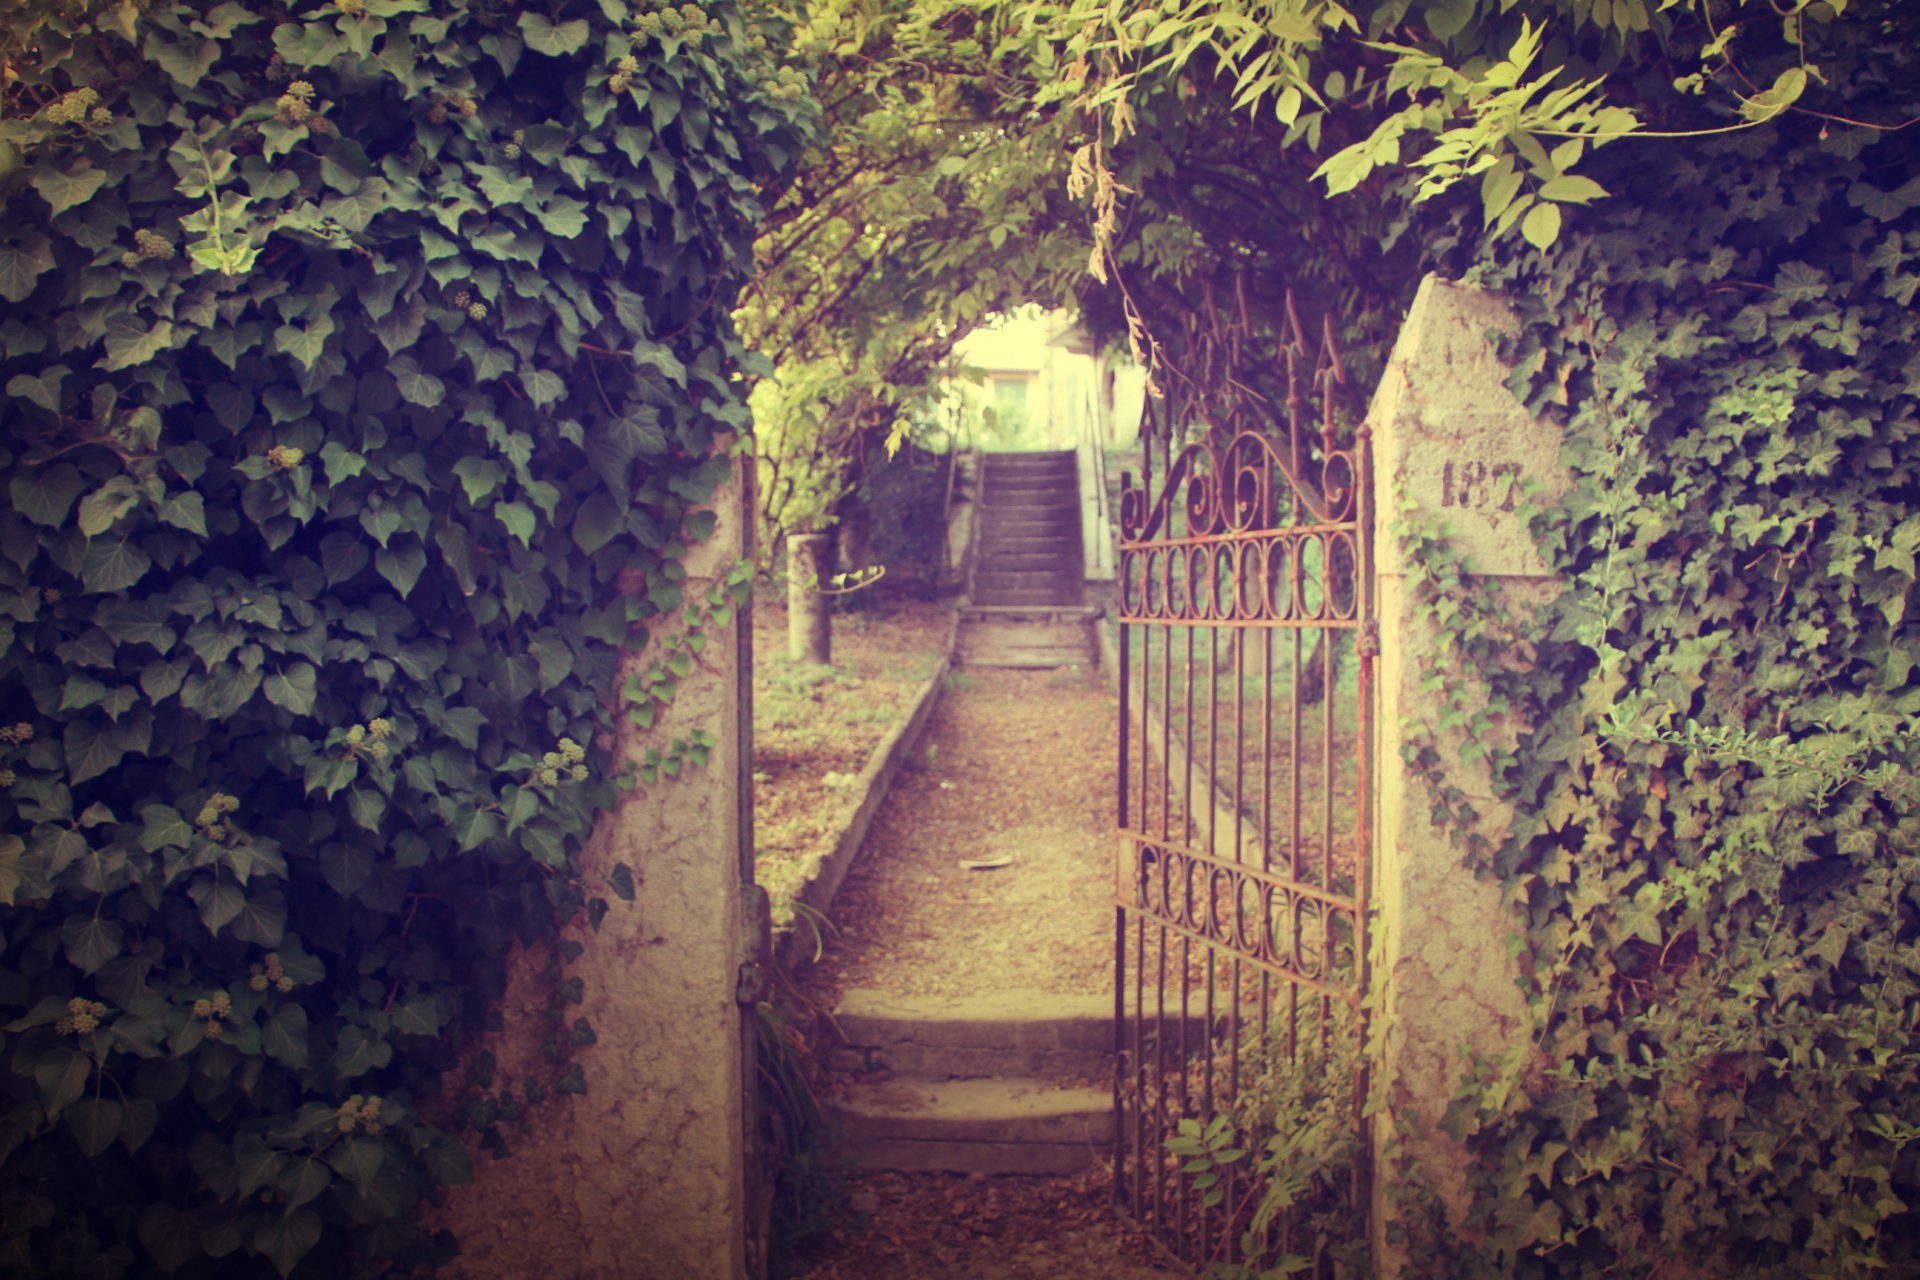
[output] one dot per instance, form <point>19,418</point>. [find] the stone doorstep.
<point>1010,1034</point>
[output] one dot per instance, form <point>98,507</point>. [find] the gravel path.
<point>1017,765</point>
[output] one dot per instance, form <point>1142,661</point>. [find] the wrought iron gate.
<point>1246,651</point>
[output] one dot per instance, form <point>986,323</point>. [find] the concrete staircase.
<point>1029,552</point>
<point>1008,1083</point>
<point>1026,608</point>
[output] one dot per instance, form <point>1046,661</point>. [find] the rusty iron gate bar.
<point>1246,654</point>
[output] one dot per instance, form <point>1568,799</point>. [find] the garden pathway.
<point>1016,765</point>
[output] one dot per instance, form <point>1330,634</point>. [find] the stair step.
<point>1019,613</point>
<point>1035,458</point>
<point>1006,1125</point>
<point>1029,599</point>
<point>1030,659</point>
<point>1017,562</point>
<point>1014,1033</point>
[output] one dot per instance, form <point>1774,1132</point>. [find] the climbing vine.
<point>367,368</point>
<point>1715,835</point>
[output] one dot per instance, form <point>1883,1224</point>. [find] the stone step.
<point>1026,646</point>
<point>1029,599</point>
<point>1018,613</point>
<point>1030,562</point>
<point>993,588</point>
<point>1011,1033</point>
<point>1006,1125</point>
<point>1011,508</point>
<point>1024,527</point>
<point>1063,480</point>
<point>1038,458</point>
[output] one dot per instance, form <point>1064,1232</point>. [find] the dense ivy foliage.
<point>365,366</point>
<point>1718,837</point>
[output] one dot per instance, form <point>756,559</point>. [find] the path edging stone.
<point>793,944</point>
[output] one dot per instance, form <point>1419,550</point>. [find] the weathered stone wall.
<point>1452,445</point>
<point>643,1176</point>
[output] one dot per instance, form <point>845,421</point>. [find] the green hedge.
<point>365,364</point>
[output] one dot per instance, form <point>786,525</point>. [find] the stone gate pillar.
<point>1452,447</point>
<point>643,1176</point>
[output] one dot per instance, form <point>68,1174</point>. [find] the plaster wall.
<point>642,1177</point>
<point>1452,447</point>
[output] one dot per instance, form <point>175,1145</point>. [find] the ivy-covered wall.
<point>1711,878</point>
<point>366,365</point>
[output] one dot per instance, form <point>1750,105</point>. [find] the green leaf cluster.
<point>931,199</point>
<point>362,371</point>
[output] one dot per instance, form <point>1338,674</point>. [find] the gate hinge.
<point>1369,645</point>
<point>750,987</point>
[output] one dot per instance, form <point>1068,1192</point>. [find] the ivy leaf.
<point>417,1016</point>
<point>11,847</point>
<point>164,828</point>
<point>44,495</point>
<point>366,807</point>
<point>43,389</point>
<point>358,1053</point>
<point>402,564</point>
<point>285,1241</point>
<point>519,519</point>
<point>89,751</point>
<point>474,828</point>
<point>294,688</point>
<point>131,343</point>
<point>1798,282</point>
<point>596,522</point>
<point>341,556</point>
<point>305,344</point>
<point>90,942</point>
<point>185,511</point>
<point>22,264</point>
<point>187,61</point>
<point>220,901</point>
<point>543,386</point>
<point>479,477</point>
<point>652,355</point>
<point>99,509</point>
<point>284,1038</point>
<point>95,1123</point>
<point>554,40</point>
<point>262,920</point>
<point>416,386</point>
<point>622,882</point>
<point>233,407</point>
<point>64,188</point>
<point>345,867</point>
<point>113,566</point>
<point>172,1238</point>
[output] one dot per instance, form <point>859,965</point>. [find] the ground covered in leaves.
<point>814,726</point>
<point>936,1226</point>
<point>1016,766</point>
